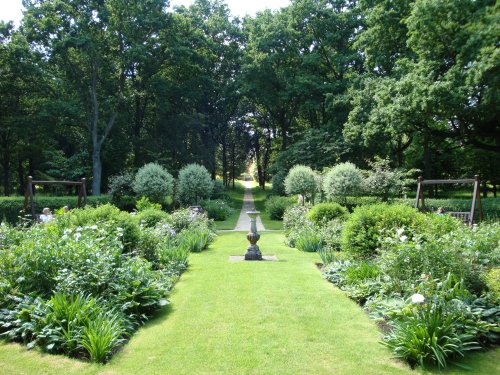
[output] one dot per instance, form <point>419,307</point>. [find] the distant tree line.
<point>98,88</point>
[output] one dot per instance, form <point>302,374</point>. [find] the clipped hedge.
<point>11,207</point>
<point>361,232</point>
<point>325,212</point>
<point>491,206</point>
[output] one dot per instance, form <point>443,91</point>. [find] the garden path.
<point>243,223</point>
<point>256,318</point>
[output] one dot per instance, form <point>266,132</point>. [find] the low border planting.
<point>82,284</point>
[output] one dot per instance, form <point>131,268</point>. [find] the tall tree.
<point>91,43</point>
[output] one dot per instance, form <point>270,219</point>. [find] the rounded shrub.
<point>278,182</point>
<point>110,214</point>
<point>301,180</point>
<point>122,193</point>
<point>361,232</point>
<point>276,206</point>
<point>194,183</point>
<point>325,212</point>
<point>218,190</point>
<point>493,283</point>
<point>154,182</point>
<point>216,209</point>
<point>151,216</point>
<point>341,181</point>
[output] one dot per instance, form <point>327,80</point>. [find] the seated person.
<point>440,211</point>
<point>46,215</point>
<point>66,209</point>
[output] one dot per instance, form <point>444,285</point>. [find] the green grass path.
<point>256,318</point>
<point>247,318</point>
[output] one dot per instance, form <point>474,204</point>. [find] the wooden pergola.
<point>29,195</point>
<point>466,216</point>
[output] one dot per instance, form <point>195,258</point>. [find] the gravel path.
<point>243,223</point>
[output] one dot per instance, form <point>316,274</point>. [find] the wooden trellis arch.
<point>466,216</point>
<point>29,195</point>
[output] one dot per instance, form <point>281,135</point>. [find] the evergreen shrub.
<point>362,230</point>
<point>194,183</point>
<point>216,209</point>
<point>154,182</point>
<point>278,182</point>
<point>276,206</point>
<point>121,190</point>
<point>301,180</point>
<point>325,212</point>
<point>343,180</point>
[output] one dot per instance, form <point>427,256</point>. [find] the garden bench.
<point>467,216</point>
<point>464,216</point>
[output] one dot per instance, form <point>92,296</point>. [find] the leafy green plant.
<point>217,210</point>
<point>122,193</point>
<point>278,183</point>
<point>342,180</point>
<point>301,180</point>
<point>194,240</point>
<point>65,317</point>
<point>429,335</point>
<point>405,258</point>
<point>102,335</point>
<point>382,181</point>
<point>324,212</point>
<point>150,217</point>
<point>276,206</point>
<point>327,255</point>
<point>145,204</point>
<point>154,182</point>
<point>492,279</point>
<point>362,230</point>
<point>308,241</point>
<point>194,183</point>
<point>330,233</point>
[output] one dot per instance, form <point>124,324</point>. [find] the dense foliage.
<point>430,286</point>
<point>276,206</point>
<point>82,283</point>
<point>194,183</point>
<point>301,180</point>
<point>343,180</point>
<point>96,89</point>
<point>153,182</point>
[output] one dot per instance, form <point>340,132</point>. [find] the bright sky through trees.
<point>10,10</point>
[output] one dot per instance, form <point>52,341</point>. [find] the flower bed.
<point>84,282</point>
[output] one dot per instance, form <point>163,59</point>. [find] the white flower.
<point>417,298</point>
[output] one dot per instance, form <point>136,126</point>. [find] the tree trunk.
<point>6,175</point>
<point>20,175</point>
<point>428,160</point>
<point>98,140</point>
<point>233,162</point>
<point>96,170</point>
<point>225,181</point>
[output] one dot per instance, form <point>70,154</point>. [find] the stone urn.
<point>253,251</point>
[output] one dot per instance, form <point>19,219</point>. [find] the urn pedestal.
<point>253,251</point>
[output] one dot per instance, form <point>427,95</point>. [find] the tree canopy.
<point>94,89</point>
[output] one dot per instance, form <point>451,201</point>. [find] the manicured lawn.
<point>248,318</point>
<point>236,196</point>
<point>260,197</point>
<point>260,317</point>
